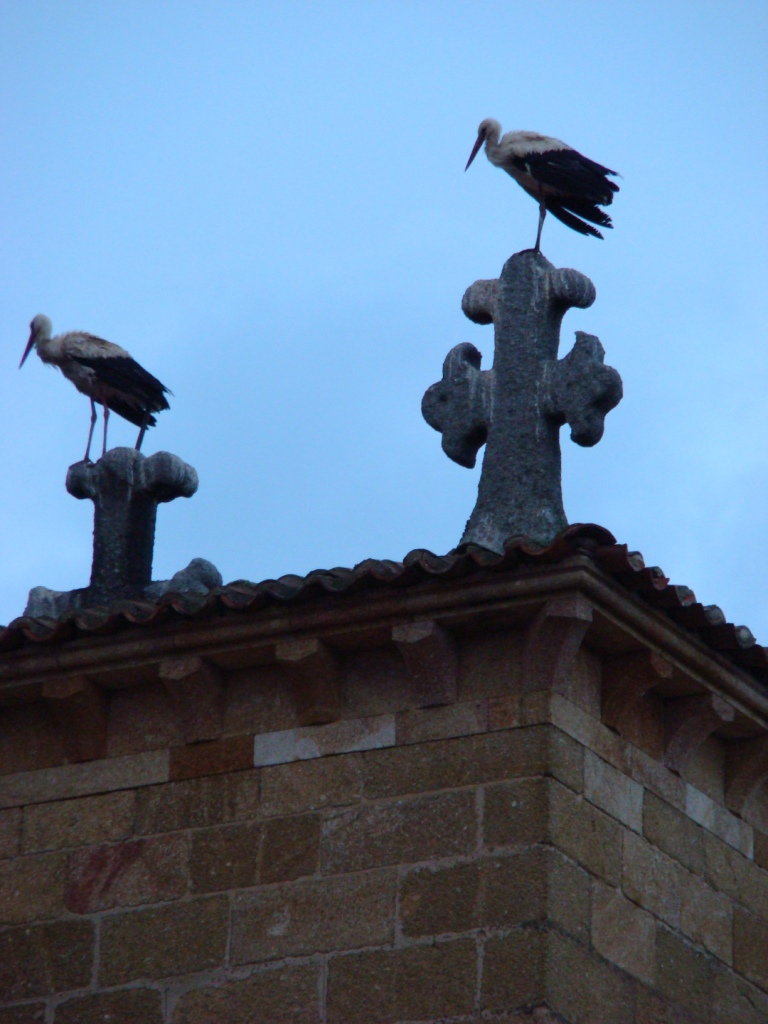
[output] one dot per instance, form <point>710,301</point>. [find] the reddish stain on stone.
<point>95,874</point>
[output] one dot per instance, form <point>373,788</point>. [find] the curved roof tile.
<point>626,567</point>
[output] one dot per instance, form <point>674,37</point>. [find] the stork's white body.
<point>64,350</point>
<point>557,176</point>
<point>105,372</point>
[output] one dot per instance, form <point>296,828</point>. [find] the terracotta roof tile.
<point>626,567</point>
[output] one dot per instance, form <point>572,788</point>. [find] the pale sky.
<point>266,204</point>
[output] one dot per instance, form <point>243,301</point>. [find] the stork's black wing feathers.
<point>570,173</point>
<point>573,222</point>
<point>582,208</point>
<point>126,375</point>
<point>129,412</point>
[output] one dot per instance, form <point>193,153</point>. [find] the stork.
<point>558,177</point>
<point>104,372</point>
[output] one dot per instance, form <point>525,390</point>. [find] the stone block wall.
<point>503,856</point>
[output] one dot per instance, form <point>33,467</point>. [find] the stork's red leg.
<point>143,430</point>
<point>106,421</point>
<point>90,432</point>
<point>542,215</point>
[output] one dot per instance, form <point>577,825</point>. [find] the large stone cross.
<point>517,408</point>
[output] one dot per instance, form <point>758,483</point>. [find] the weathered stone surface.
<point>465,761</point>
<point>432,658</point>
<point>294,920</point>
<point>436,900</point>
<point>285,995</point>
<point>623,933</point>
<point>225,857</point>
<point>736,876</point>
<point>491,665</point>
<point>419,983</point>
<point>761,849</point>
<point>440,723</point>
<point>10,832</point>
<point>613,791</point>
<point>38,960</point>
<point>290,847</point>
<point>70,780</point>
<point>514,970</point>
<point>318,741</point>
<point>651,1008</point>
<point>29,1013</point>
<point>652,879</point>
<point>585,834</point>
<point>80,710</point>
<point>626,679</point>
<point>674,833</point>
<point>402,831</point>
<point>309,785</point>
<point>32,888</point>
<point>516,813</point>
<point>199,577</point>
<point>91,819</point>
<point>589,990</point>
<point>362,987</point>
<point>536,884</point>
<point>196,691</point>
<point>198,802</point>
<point>164,941</point>
<point>719,821</point>
<point>315,674</point>
<point>518,407</point>
<point>734,999</point>
<point>231,754</point>
<point>746,771</point>
<point>128,874</point>
<point>684,974</point>
<point>706,916</point>
<point>688,722</point>
<point>750,947</point>
<point>130,1006</point>
<point>553,648</point>
<point>436,980</point>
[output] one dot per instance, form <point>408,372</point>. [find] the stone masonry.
<point>522,798</point>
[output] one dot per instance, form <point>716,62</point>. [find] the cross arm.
<point>458,406</point>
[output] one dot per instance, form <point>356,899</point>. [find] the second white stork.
<point>562,181</point>
<point>104,372</point>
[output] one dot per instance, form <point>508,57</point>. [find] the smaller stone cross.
<point>126,487</point>
<point>517,408</point>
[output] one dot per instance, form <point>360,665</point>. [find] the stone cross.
<point>126,488</point>
<point>517,408</point>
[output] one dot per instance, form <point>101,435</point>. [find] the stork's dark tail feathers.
<point>584,209</point>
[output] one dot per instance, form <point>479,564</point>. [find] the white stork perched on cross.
<point>104,372</point>
<point>558,177</point>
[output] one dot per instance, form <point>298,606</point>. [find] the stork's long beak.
<point>27,350</point>
<point>475,150</point>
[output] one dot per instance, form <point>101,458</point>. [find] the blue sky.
<point>266,204</point>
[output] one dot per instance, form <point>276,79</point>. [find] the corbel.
<point>626,679</point>
<point>552,642</point>
<point>315,679</point>
<point>688,721</point>
<point>432,659</point>
<point>80,710</point>
<point>746,769</point>
<point>196,691</point>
